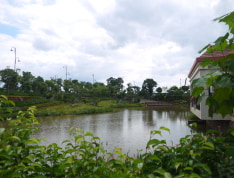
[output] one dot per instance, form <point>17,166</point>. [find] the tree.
<point>99,90</point>
<point>115,86</point>
<point>67,85</point>
<point>159,90</point>
<point>26,82</point>
<point>222,100</point>
<point>10,79</point>
<point>148,87</point>
<point>184,88</point>
<point>174,90</point>
<point>39,86</point>
<point>132,91</point>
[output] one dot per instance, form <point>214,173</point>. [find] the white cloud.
<point>110,38</point>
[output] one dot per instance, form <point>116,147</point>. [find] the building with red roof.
<point>196,71</point>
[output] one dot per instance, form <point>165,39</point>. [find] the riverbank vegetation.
<point>62,97</point>
<point>196,155</point>
<point>84,108</point>
<point>14,84</point>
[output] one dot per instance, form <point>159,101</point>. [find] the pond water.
<point>128,129</point>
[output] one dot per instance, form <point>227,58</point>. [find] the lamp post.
<point>66,70</point>
<point>14,49</point>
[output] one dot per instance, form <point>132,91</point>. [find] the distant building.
<point>201,110</point>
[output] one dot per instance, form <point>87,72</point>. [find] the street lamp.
<point>66,70</point>
<point>14,49</point>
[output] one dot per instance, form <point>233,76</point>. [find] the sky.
<point>93,40</point>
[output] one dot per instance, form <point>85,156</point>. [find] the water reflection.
<point>128,129</point>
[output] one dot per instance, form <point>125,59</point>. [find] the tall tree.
<point>115,86</point>
<point>148,87</point>
<point>39,86</point>
<point>10,79</point>
<point>132,91</point>
<point>26,82</point>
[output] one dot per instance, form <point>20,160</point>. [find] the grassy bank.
<point>82,108</point>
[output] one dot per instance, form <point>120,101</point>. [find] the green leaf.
<point>200,98</point>
<point>205,62</point>
<point>197,91</point>
<point>154,157</point>
<point>88,134</point>
<point>140,166</point>
<point>209,144</point>
<point>164,173</point>
<point>164,128</point>
<point>222,94</point>
<point>2,130</point>
<point>15,138</point>
<point>227,19</point>
<point>230,62</point>
<point>33,141</point>
<point>163,148</point>
<point>96,138</point>
<point>153,142</point>
<point>188,169</point>
<point>203,49</point>
<point>178,164</point>
<point>205,167</point>
<point>212,131</point>
<point>78,138</point>
<point>221,39</point>
<point>154,132</point>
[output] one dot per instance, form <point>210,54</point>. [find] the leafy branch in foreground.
<point>221,79</point>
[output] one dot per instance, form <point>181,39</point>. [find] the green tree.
<point>185,89</point>
<point>222,100</point>
<point>67,85</point>
<point>39,86</point>
<point>26,82</point>
<point>115,86</point>
<point>99,90</point>
<point>159,90</point>
<point>174,90</point>
<point>148,87</point>
<point>10,79</point>
<point>132,91</point>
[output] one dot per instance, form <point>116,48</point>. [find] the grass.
<point>81,108</point>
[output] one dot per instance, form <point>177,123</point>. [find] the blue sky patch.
<point>9,30</point>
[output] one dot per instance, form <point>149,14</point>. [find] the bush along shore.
<point>47,107</point>
<point>84,108</point>
<point>197,155</point>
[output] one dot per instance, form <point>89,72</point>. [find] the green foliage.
<point>84,155</point>
<point>222,100</point>
<point>31,102</point>
<point>193,117</point>
<point>10,79</point>
<point>148,87</point>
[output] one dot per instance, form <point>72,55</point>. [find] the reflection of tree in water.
<point>151,115</point>
<point>172,113</point>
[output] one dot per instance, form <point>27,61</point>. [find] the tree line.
<point>72,89</point>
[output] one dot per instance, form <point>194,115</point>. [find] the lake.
<point>128,129</point>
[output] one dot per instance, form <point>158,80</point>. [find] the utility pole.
<point>93,78</point>
<point>66,70</point>
<point>14,49</point>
